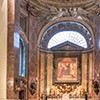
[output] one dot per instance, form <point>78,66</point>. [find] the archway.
<point>66,41</point>
<point>22,95</point>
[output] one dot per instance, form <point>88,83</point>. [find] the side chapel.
<point>50,50</point>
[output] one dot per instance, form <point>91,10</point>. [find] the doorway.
<point>22,95</point>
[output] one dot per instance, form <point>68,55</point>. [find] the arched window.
<point>64,36</point>
<point>22,62</point>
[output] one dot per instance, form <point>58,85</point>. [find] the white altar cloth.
<point>65,96</point>
<point>69,99</point>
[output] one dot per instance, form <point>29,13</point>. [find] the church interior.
<point>50,49</point>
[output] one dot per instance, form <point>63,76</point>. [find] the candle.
<point>48,91</point>
<point>57,92</point>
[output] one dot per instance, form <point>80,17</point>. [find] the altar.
<point>69,99</point>
<point>65,74</point>
<point>60,98</point>
<point>64,97</point>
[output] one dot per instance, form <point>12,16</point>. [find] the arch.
<point>21,94</point>
<point>58,27</point>
<point>68,24</point>
<point>24,37</point>
<point>64,19</point>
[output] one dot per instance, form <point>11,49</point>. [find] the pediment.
<point>67,46</point>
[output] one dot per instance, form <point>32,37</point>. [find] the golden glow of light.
<point>48,90</point>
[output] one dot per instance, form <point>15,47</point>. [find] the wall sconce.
<point>96,87</point>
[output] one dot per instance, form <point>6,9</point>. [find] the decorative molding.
<point>48,8</point>
<point>63,3</point>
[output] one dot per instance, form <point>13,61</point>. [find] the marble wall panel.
<point>10,52</point>
<point>13,50</point>
<point>97,53</point>
<point>35,26</point>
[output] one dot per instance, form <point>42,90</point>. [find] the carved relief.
<point>51,10</point>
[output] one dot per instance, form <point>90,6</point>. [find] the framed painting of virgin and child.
<point>66,70</point>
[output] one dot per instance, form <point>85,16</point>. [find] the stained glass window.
<point>64,36</point>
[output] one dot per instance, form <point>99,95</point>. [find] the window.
<point>22,64</point>
<point>71,36</point>
<point>66,35</point>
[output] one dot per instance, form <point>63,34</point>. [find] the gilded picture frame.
<point>67,69</point>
